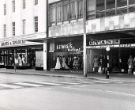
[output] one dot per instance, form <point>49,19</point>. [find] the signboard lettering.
<point>70,47</point>
<point>103,42</point>
<point>12,43</point>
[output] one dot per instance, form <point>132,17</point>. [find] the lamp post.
<point>45,45</point>
<point>108,66</point>
<point>84,39</point>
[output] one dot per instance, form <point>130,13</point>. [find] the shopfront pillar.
<point>45,56</point>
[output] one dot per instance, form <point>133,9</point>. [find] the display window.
<point>66,54</point>
<point>25,57</point>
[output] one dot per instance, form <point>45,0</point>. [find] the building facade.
<point>58,43</point>
<point>109,24</point>
<point>22,25</point>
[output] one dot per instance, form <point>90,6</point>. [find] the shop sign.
<point>70,47</point>
<point>111,46</point>
<point>103,42</point>
<point>12,43</point>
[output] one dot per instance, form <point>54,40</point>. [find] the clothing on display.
<point>58,65</point>
<point>64,65</point>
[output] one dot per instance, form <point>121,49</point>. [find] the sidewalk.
<point>116,76</point>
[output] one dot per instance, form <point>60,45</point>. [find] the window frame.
<point>24,26</point>
<point>5,8</point>
<point>36,23</point>
<point>36,2</point>
<point>13,5</point>
<point>4,30</point>
<point>13,28</point>
<point>24,4</point>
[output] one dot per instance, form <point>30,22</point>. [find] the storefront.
<point>119,52</point>
<point>66,53</point>
<point>23,50</point>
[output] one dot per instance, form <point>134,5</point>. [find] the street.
<point>35,92</point>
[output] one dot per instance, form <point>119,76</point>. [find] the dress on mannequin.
<point>58,65</point>
<point>64,65</point>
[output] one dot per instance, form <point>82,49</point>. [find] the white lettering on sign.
<point>125,45</point>
<point>12,43</point>
<point>69,47</point>
<point>64,46</point>
<point>104,42</point>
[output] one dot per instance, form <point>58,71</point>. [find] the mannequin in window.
<point>58,65</point>
<point>64,65</point>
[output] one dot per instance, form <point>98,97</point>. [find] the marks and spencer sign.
<point>115,43</point>
<point>12,43</point>
<point>103,42</point>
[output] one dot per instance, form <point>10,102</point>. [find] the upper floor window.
<point>80,8</point>
<point>73,9</point>
<point>13,5</point>
<point>35,2</point>
<point>100,5</point>
<point>59,11</point>
<point>131,2</point>
<point>24,4</point>
<point>91,9</point>
<point>24,26</point>
<point>110,4</point>
<point>13,28</point>
<point>5,9</point>
<point>36,23</point>
<point>52,13</point>
<point>121,3</point>
<point>66,10</point>
<point>4,30</point>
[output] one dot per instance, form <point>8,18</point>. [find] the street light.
<point>108,66</point>
<point>84,39</point>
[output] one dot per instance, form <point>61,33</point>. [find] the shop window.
<point>91,9</point>
<point>121,3</point>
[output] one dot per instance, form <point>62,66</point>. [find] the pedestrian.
<point>104,64</point>
<point>130,65</point>
<point>134,66</point>
<point>95,64</point>
<point>15,63</point>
